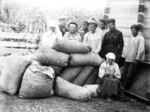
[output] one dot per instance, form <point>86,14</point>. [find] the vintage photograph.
<point>74,55</point>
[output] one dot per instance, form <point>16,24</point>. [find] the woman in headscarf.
<point>109,73</point>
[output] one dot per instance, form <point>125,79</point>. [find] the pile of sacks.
<point>20,75</point>
<point>73,64</point>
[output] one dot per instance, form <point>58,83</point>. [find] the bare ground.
<point>57,104</point>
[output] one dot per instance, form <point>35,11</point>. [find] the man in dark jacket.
<point>112,42</point>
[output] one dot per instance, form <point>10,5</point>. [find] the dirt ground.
<point>57,104</point>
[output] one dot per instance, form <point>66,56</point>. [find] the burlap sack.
<point>66,89</point>
<point>12,74</point>
<point>93,77</point>
<point>48,56</point>
<point>57,69</point>
<point>70,46</point>
<point>70,73</point>
<point>37,82</point>
<point>84,74</point>
<point>89,59</point>
<point>3,60</point>
<point>92,89</point>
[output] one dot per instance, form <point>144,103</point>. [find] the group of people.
<point>108,42</point>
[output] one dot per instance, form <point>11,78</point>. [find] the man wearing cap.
<point>73,34</point>
<point>102,27</point>
<point>92,38</point>
<point>62,24</point>
<point>112,42</point>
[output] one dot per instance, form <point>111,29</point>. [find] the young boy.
<point>134,54</point>
<point>109,73</point>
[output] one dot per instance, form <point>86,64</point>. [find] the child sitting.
<point>109,74</point>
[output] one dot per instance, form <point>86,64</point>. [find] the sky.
<point>54,4</point>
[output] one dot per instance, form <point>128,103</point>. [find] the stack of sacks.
<point>73,62</point>
<point>82,69</point>
<point>82,64</point>
<point>20,76</point>
<point>50,57</point>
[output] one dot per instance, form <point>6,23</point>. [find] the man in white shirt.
<point>73,34</point>
<point>92,38</point>
<point>135,53</point>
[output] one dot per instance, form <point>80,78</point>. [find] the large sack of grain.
<point>70,46</point>
<point>47,56</point>
<point>57,69</point>
<point>70,73</point>
<point>66,89</point>
<point>3,60</point>
<point>12,73</point>
<point>90,59</point>
<point>93,77</point>
<point>92,89</point>
<point>84,74</point>
<point>37,82</point>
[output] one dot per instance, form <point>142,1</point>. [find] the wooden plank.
<point>133,94</point>
<point>16,35</point>
<point>6,51</point>
<point>16,44</point>
<point>140,85</point>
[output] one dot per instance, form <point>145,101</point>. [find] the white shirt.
<point>106,68</point>
<point>94,40</point>
<point>135,49</point>
<point>49,38</point>
<point>75,36</point>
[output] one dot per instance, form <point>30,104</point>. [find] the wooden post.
<point>107,11</point>
<point>141,13</point>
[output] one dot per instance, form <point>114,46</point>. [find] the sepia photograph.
<point>74,55</point>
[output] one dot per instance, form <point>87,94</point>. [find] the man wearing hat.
<point>92,38</point>
<point>112,42</point>
<point>62,24</point>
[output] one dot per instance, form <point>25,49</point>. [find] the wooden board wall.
<point>147,30</point>
<point>126,13</point>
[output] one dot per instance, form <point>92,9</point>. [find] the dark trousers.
<point>128,74</point>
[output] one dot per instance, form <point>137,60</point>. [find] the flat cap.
<point>111,21</point>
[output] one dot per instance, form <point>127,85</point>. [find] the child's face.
<point>110,61</point>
